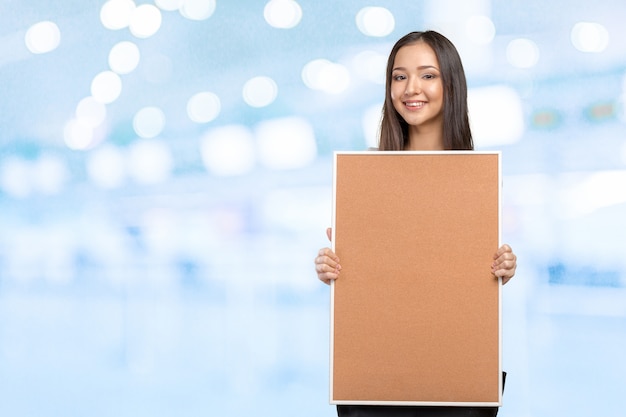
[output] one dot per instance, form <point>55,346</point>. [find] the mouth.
<point>416,105</point>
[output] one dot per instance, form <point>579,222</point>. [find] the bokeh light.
<point>106,167</point>
<point>260,91</point>
<point>501,103</point>
<point>169,5</point>
<point>43,37</point>
<point>78,135</point>
<point>149,122</point>
<point>324,75</point>
<point>203,107</point>
<point>106,87</point>
<point>116,14</point>
<point>590,37</point>
<point>597,190</point>
<point>480,30</point>
<point>282,14</point>
<point>91,112</point>
<point>15,177</point>
<point>522,53</point>
<point>145,21</point>
<point>228,150</point>
<point>50,174</point>
<point>370,66</point>
<point>149,161</point>
<point>286,143</point>
<point>197,9</point>
<point>124,57</point>
<point>375,21</point>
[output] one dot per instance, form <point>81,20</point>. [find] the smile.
<point>414,104</point>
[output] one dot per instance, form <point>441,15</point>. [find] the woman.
<point>425,109</point>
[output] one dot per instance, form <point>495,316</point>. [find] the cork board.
<point>415,314</point>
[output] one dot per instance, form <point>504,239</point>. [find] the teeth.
<point>414,104</point>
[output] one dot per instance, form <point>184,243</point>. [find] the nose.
<point>413,86</point>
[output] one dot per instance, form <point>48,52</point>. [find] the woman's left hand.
<point>504,263</point>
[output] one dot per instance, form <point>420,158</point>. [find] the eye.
<point>429,76</point>
<point>399,77</point>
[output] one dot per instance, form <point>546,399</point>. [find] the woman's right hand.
<point>327,263</point>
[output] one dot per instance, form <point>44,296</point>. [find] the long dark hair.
<point>457,135</point>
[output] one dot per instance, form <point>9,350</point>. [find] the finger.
<point>327,277</point>
<point>505,275</point>
<point>326,272</point>
<point>504,262</point>
<point>329,233</point>
<point>507,260</point>
<point>506,272</point>
<point>502,250</point>
<point>328,253</point>
<point>508,265</point>
<point>323,265</point>
<point>504,255</point>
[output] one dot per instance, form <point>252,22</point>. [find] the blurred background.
<point>166,181</point>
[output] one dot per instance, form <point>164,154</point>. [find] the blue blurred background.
<point>166,176</point>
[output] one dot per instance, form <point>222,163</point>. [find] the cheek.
<point>395,93</point>
<point>437,91</point>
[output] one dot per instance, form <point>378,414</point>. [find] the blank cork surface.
<point>415,314</point>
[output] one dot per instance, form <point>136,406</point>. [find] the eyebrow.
<point>422,67</point>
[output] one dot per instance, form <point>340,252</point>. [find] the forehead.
<point>416,55</point>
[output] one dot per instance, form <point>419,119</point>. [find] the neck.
<point>420,140</point>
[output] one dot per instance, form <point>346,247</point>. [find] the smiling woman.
<point>425,109</point>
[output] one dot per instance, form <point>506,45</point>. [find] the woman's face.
<point>416,86</point>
